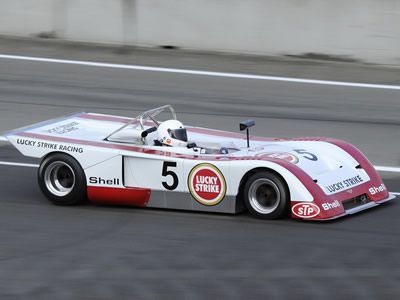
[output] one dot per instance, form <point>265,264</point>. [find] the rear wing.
<point>3,137</point>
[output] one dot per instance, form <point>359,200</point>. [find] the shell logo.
<point>207,184</point>
<point>305,210</point>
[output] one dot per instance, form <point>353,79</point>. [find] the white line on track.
<point>202,73</point>
<point>2,138</point>
<point>6,163</point>
<point>387,169</point>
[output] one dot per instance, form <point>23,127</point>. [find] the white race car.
<point>146,162</point>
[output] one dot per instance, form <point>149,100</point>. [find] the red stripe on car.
<point>119,196</point>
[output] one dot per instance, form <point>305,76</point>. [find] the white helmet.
<point>172,133</point>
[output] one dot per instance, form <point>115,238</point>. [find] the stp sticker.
<point>280,155</point>
<point>207,184</point>
<point>305,210</point>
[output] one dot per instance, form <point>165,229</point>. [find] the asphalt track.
<point>106,252</point>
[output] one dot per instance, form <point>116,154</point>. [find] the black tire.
<point>62,180</point>
<point>266,195</point>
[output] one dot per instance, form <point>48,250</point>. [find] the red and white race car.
<point>145,162</point>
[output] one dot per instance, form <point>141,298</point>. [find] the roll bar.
<point>143,117</point>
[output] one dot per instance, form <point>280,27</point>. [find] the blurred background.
<point>103,252</point>
<point>348,30</point>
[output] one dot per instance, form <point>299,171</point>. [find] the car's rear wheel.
<point>266,195</point>
<point>62,180</point>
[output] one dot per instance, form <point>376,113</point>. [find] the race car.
<point>147,162</point>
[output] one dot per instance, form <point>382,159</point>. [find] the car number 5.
<point>310,157</point>
<point>166,172</point>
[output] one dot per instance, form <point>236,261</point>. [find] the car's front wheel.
<point>62,180</point>
<point>266,195</point>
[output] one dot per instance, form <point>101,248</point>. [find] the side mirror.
<point>245,126</point>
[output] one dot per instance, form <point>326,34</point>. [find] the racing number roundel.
<point>207,184</point>
<point>280,155</point>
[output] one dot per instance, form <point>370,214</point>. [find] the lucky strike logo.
<point>305,210</point>
<point>207,184</point>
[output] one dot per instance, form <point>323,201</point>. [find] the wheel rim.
<point>264,196</point>
<point>59,178</point>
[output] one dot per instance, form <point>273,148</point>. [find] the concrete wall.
<point>367,30</point>
<point>26,17</point>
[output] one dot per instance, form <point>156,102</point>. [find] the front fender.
<point>297,188</point>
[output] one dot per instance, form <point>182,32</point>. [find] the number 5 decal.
<point>310,157</point>
<point>166,172</point>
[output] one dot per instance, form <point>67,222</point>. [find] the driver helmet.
<point>172,133</point>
